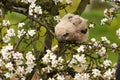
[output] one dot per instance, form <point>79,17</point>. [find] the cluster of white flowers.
<point>107,63</point>
<point>96,72</point>
<point>118,33</point>
<point>104,20</point>
<point>11,33</point>
<point>67,1</point>
<point>109,13</point>
<point>53,60</point>
<point>56,1</point>
<point>34,9</point>
<point>104,39</point>
<point>82,76</point>
<point>30,62</point>
<point>21,66</point>
<point>60,77</point>
<point>20,25</point>
<point>31,33</point>
<point>5,52</point>
<point>102,51</point>
<point>109,74</point>
<point>6,23</point>
<point>81,48</point>
<point>77,59</point>
<point>57,18</point>
<point>21,33</point>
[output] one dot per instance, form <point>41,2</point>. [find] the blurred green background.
<point>94,15</point>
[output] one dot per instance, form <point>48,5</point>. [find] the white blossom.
<point>24,1</point>
<point>104,39</point>
<point>18,56</point>
<point>8,75</point>
<point>20,70</point>
<point>103,21</point>
<point>30,62</point>
<point>85,76</point>
<point>118,33</point>
<point>114,45</point>
<point>9,66</point>
<point>96,72</point>
<point>31,8</point>
<point>8,47</point>
<point>6,39</point>
<point>19,62</point>
<point>21,33</point>
<point>107,63</point>
<point>73,61</point>
<point>80,59</point>
<point>23,78</point>
<point>31,1</point>
<point>34,9</point>
<point>68,1</point>
<point>56,1</point>
<point>47,69</point>
<point>38,10</point>
<point>54,48</point>
<point>60,77</point>
<point>28,70</point>
<point>20,25</point>
<point>109,13</point>
<point>108,74</point>
<point>31,32</point>
<point>57,18</point>
<point>102,51</point>
<point>5,51</point>
<point>81,48</point>
<point>91,25</point>
<point>30,56</point>
<point>51,79</point>
<point>10,32</point>
<point>6,23</point>
<point>77,76</point>
<point>54,63</point>
<point>46,59</point>
<point>93,40</point>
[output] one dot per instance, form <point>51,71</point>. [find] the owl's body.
<point>72,28</point>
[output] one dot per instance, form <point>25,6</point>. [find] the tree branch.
<point>81,6</point>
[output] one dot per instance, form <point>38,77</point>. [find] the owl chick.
<point>65,31</point>
<point>71,28</point>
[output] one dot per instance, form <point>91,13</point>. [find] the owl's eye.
<point>84,31</point>
<point>66,34</point>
